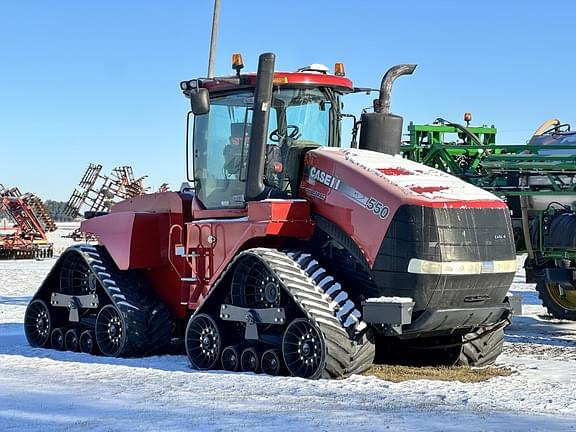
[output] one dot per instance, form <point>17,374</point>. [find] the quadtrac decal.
<point>313,193</point>
<point>371,204</point>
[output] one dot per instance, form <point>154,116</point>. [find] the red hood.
<point>360,191</point>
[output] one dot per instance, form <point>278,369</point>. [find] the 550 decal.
<point>377,208</point>
<point>369,203</point>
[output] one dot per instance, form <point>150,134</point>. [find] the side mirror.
<point>200,101</point>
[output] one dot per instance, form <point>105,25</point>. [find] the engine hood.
<point>361,190</point>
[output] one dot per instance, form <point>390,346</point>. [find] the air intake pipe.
<point>381,130</point>
<point>257,151</point>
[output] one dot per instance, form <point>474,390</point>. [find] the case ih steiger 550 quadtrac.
<point>292,255</point>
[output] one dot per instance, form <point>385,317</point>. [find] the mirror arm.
<point>188,116</point>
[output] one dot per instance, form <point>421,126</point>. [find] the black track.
<point>144,319</point>
<point>478,348</point>
<point>482,347</point>
<point>321,302</point>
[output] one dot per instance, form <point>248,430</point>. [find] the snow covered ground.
<point>45,390</point>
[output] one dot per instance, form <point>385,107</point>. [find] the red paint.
<point>135,233</point>
<point>427,189</point>
<point>143,232</point>
<point>467,204</point>
<point>268,222</point>
<point>366,228</point>
<point>281,78</point>
<point>394,171</point>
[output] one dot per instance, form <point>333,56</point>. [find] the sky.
<point>98,81</point>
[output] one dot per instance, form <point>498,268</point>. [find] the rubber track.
<point>347,350</point>
<point>482,347</point>
<point>148,323</point>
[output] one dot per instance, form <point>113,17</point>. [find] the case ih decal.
<point>316,174</point>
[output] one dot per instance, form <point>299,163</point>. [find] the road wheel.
<point>37,323</point>
<point>87,342</point>
<point>71,340</point>
<point>203,342</point>
<point>303,349</point>
<point>271,362</point>
<point>231,358</point>
<point>250,360</point>
<point>57,339</point>
<point>110,331</point>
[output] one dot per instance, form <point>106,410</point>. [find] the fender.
<point>135,232</point>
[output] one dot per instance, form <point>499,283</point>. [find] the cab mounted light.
<point>339,69</point>
<point>237,63</point>
<point>189,85</point>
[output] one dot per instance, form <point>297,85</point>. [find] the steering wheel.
<point>292,131</point>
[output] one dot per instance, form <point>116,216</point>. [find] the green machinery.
<point>538,182</point>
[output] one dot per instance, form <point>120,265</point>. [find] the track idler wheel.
<point>37,323</point>
<point>231,358</point>
<point>87,342</point>
<point>57,339</point>
<point>250,360</point>
<point>203,342</point>
<point>254,285</point>
<point>271,362</point>
<point>76,278</point>
<point>110,331</point>
<point>303,349</point>
<point>71,340</point>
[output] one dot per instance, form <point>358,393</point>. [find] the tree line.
<point>56,210</point>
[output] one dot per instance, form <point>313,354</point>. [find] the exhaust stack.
<point>257,151</point>
<point>381,131</point>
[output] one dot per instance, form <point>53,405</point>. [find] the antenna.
<point>213,38</point>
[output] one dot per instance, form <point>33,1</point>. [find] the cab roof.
<point>312,79</point>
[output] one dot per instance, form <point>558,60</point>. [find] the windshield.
<point>300,119</point>
<point>302,113</point>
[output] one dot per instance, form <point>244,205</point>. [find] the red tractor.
<point>291,255</point>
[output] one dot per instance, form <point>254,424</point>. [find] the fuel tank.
<point>424,234</point>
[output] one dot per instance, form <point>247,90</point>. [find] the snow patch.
<point>384,299</point>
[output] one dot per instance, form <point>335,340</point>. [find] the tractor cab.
<point>304,114</point>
